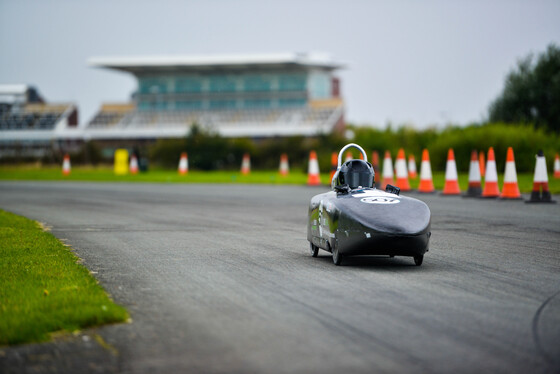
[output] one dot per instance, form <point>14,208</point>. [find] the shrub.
<point>209,151</point>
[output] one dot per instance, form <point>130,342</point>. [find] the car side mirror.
<point>344,189</point>
<point>392,189</point>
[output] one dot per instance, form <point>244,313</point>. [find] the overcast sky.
<point>417,62</point>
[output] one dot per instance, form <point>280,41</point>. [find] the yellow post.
<point>121,162</point>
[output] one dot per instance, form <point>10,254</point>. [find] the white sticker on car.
<point>380,200</point>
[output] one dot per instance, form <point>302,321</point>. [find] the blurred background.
<point>268,78</point>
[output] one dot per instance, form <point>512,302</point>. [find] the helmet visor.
<point>359,179</point>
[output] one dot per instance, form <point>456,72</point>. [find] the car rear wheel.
<point>418,260</point>
<point>314,249</point>
<point>336,256</point>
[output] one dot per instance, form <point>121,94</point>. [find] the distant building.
<point>256,96</point>
<point>30,127</point>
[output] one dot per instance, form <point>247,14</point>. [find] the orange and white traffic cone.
<point>426,182</point>
<point>451,186</point>
<point>482,164</point>
<point>133,166</point>
<point>334,164</point>
<point>66,165</point>
<point>402,173</point>
<point>557,166</point>
<point>387,170</point>
<point>540,193</point>
<point>510,189</point>
<point>474,189</point>
<point>491,180</point>
<point>184,163</point>
<point>284,166</point>
<point>348,156</point>
<point>412,173</point>
<point>375,164</point>
<point>246,164</point>
<point>313,177</point>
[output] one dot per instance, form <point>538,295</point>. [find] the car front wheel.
<point>314,249</point>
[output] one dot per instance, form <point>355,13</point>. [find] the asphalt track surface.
<point>219,279</point>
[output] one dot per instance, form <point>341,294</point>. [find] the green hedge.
<point>524,139</point>
<point>211,152</point>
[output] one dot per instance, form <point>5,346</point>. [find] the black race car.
<point>355,218</point>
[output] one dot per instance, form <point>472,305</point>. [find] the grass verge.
<point>105,174</point>
<point>43,288</point>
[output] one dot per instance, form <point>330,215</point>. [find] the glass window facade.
<point>199,91</point>
<point>292,82</point>
<point>320,85</point>
<point>188,85</point>
<point>154,104</point>
<point>188,104</point>
<point>222,104</point>
<point>257,83</point>
<point>153,86</point>
<point>257,103</point>
<point>221,84</point>
<point>290,103</point>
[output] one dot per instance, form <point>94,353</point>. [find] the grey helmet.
<point>353,173</point>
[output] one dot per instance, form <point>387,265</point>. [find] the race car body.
<point>361,220</point>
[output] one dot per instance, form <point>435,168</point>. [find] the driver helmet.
<point>354,174</point>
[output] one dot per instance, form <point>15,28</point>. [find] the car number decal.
<point>379,200</point>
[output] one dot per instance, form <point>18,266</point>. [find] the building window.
<point>288,103</point>
<point>153,86</point>
<point>222,84</point>
<point>256,83</point>
<point>320,86</point>
<point>188,85</point>
<point>292,82</point>
<point>222,104</point>
<point>144,105</point>
<point>257,103</point>
<point>193,105</point>
<point>160,104</point>
<point>153,104</point>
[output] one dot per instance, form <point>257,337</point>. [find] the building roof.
<point>18,93</point>
<point>13,89</point>
<point>191,63</point>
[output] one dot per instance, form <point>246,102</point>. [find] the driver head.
<point>354,174</point>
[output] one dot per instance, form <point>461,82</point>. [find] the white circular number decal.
<point>379,200</point>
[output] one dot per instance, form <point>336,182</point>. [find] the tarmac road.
<point>219,279</point>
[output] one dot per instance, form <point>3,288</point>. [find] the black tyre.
<point>336,256</point>
<point>418,260</point>
<point>314,249</point>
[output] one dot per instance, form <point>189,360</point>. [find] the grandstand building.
<point>256,96</point>
<point>30,127</point>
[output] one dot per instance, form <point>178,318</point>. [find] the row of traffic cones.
<point>477,169</point>
<point>451,187</point>
<point>491,190</point>
<point>67,167</point>
<point>284,168</point>
<point>426,184</point>
<point>402,174</point>
<point>540,193</point>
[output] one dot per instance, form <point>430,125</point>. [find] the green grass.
<point>105,174</point>
<point>43,288</point>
